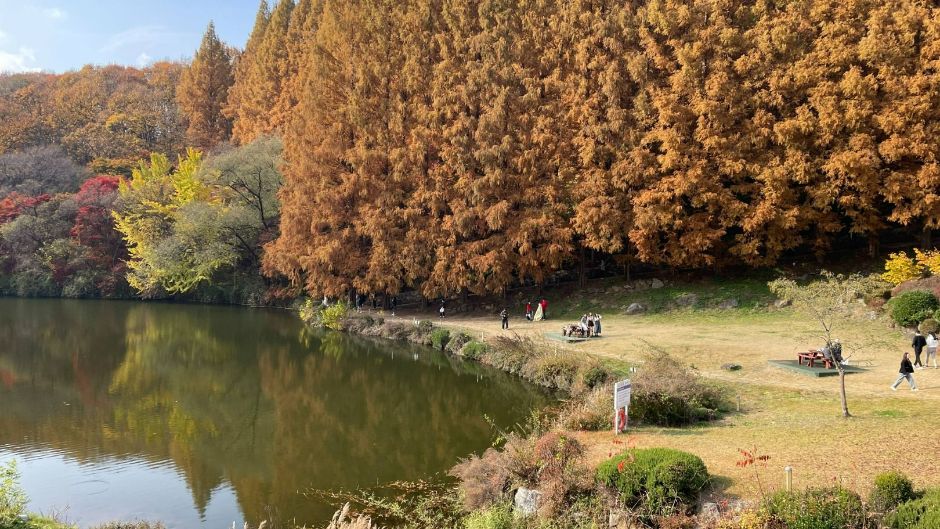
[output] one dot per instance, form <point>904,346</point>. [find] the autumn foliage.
<point>450,146</point>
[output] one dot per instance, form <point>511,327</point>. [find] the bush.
<point>656,481</point>
<point>930,325</point>
<point>456,342</point>
<point>900,267</point>
<point>667,393</point>
<point>332,317</point>
<point>922,513</point>
<point>560,470</point>
<point>12,498</point>
<point>593,376</point>
<point>484,480</point>
<point>495,517</point>
<point>927,284</point>
<point>592,412</point>
<point>473,350</point>
<point>891,489</point>
<point>439,338</point>
<point>553,370</point>
<point>817,508</point>
<point>910,308</point>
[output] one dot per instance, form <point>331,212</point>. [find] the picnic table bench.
<point>812,357</point>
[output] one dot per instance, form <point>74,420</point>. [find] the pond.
<point>201,416</point>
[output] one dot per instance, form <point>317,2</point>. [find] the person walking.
<point>906,372</point>
<point>597,324</point>
<point>918,343</point>
<point>441,310</point>
<point>394,304</point>
<point>932,343</point>
<point>544,306</point>
<point>504,315</point>
<point>590,325</point>
<point>528,310</point>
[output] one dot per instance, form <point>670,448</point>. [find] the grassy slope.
<point>790,417</point>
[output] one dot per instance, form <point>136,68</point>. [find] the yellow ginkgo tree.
<point>172,222</point>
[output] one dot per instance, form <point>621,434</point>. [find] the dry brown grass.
<point>793,418</point>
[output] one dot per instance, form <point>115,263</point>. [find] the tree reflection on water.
<point>244,398</point>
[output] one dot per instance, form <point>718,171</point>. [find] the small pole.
<point>789,482</point>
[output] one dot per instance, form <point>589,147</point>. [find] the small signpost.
<point>622,391</point>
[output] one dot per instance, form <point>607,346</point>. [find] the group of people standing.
<point>540,313</point>
<point>918,343</point>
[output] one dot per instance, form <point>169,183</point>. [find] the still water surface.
<point>200,416</point>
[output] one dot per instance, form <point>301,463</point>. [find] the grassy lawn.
<point>793,418</point>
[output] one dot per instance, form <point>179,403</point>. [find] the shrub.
<point>456,342</point>
<point>656,481</point>
<point>495,517</point>
<point>553,370</point>
<point>891,489</point>
<point>910,308</point>
<point>817,508</point>
<point>332,317</point>
<point>930,325</point>
<point>927,284</point>
<point>560,470</point>
<point>425,327</point>
<point>484,480</point>
<point>439,338</point>
<point>12,498</point>
<point>928,261</point>
<point>593,412</point>
<point>667,393</point>
<point>922,513</point>
<point>900,267</point>
<point>594,376</point>
<point>473,350</point>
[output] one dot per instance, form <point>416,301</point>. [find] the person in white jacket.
<point>932,343</point>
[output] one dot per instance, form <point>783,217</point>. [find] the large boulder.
<point>656,283</point>
<point>636,308</point>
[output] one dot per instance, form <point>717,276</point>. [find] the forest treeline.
<point>450,146</point>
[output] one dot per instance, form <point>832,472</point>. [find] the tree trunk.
<point>845,402</point>
<point>926,241</point>
<point>582,272</point>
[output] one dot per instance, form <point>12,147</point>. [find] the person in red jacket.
<point>528,310</point>
<point>544,305</point>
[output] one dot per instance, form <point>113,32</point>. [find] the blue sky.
<point>61,35</point>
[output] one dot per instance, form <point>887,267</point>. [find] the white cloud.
<point>143,59</point>
<point>22,61</point>
<point>55,13</point>
<point>2,35</point>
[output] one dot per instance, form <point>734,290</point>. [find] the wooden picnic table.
<point>812,357</point>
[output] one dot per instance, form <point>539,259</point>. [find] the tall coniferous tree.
<point>241,107</point>
<point>203,91</point>
<point>301,35</point>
